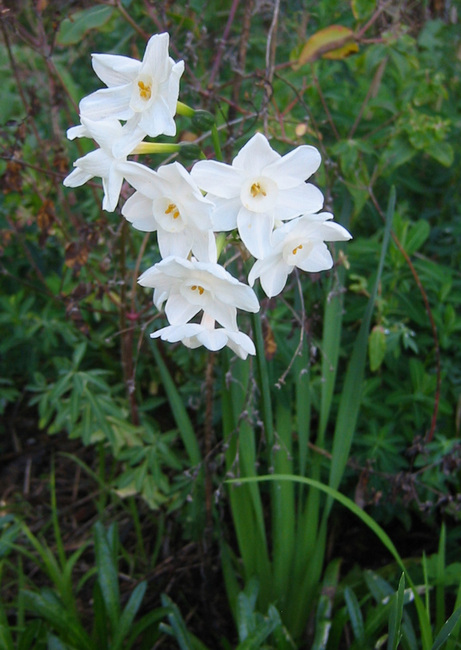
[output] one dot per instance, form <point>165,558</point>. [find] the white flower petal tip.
<point>194,335</point>
<point>103,162</point>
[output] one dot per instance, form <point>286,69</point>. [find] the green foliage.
<point>49,617</point>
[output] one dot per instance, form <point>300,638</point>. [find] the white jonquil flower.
<point>259,188</point>
<point>144,93</point>
<point>102,163</point>
<point>188,287</point>
<point>169,202</point>
<point>297,243</point>
<point>193,335</point>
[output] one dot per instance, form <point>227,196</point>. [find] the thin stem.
<point>271,48</point>
<point>216,142</point>
<point>263,380</point>
<point>217,62</point>
<point>209,393</point>
<point>126,348</point>
<point>430,433</point>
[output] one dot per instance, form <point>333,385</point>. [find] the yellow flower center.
<point>145,90</point>
<point>295,250</point>
<point>256,189</point>
<point>172,209</point>
<point>197,287</point>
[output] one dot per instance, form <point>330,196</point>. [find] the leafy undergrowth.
<point>116,450</point>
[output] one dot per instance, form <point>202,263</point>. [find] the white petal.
<point>173,243</point>
<point>180,311</point>
<point>79,131</point>
<point>241,344</point>
<point>204,246</point>
<point>298,200</point>
<point>173,85</point>
<point>107,102</point>
<point>138,211</point>
<point>255,155</point>
<point>226,315</point>
<point>96,163</point>
<point>274,278</point>
<point>112,185</point>
<point>212,339</point>
<point>129,139</point>
<point>157,119</point>
<point>105,132</point>
<point>334,232</point>
<point>225,212</point>
<point>319,259</point>
<point>77,177</point>
<point>294,167</point>
<point>143,179</point>
<point>115,70</point>
<point>156,60</point>
<point>217,178</point>
<point>255,230</point>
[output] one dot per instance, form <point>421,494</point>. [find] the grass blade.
<point>355,615</point>
<point>426,633</point>
<point>447,629</point>
<point>186,430</point>
<point>395,617</point>
<point>350,397</point>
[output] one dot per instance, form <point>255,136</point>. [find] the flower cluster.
<point>262,195</point>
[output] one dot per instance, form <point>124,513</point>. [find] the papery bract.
<point>298,243</point>
<point>103,162</point>
<point>170,202</point>
<point>144,93</point>
<point>188,287</point>
<point>259,188</point>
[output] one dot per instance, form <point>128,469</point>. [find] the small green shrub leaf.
<point>376,347</point>
<point>75,27</point>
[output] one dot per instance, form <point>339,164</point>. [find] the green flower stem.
<point>184,109</point>
<point>220,243</point>
<point>216,142</point>
<point>156,147</point>
<point>263,380</point>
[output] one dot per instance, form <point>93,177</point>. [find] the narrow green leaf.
<point>107,574</point>
<point>261,631</point>
<point>128,614</point>
<point>425,628</point>
<point>395,617</point>
<point>78,354</point>
<point>440,582</point>
<point>245,500</point>
<point>185,639</point>
<point>447,629</point>
<point>283,505</point>
<point>355,615</point>
<point>100,628</point>
<point>325,605</point>
<point>186,430</point>
<point>6,639</point>
<point>55,644</point>
<point>28,637</point>
<point>350,396</point>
